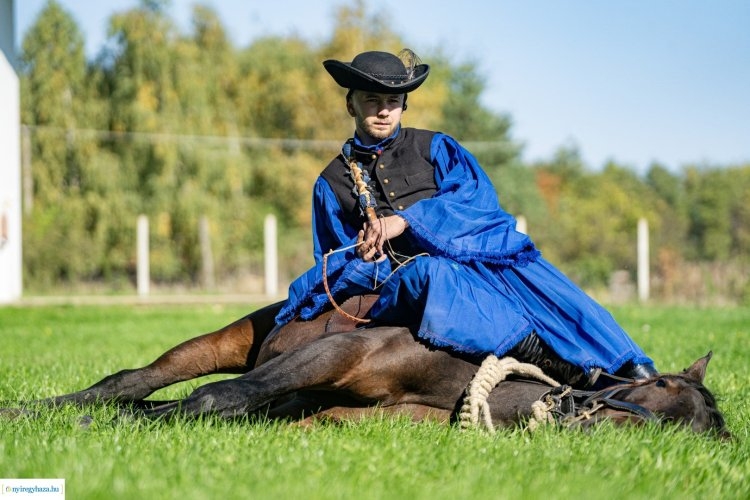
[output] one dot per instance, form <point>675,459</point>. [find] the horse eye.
<point>661,383</point>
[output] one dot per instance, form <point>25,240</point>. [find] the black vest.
<point>401,174</point>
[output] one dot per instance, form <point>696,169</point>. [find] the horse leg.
<point>319,363</point>
<point>384,366</point>
<point>236,348</point>
<point>231,349</point>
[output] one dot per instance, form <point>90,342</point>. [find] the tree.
<point>709,228</point>
<point>184,125</point>
<point>671,205</point>
<point>57,102</point>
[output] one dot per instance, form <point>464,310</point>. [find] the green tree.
<point>62,235</point>
<point>669,190</point>
<point>592,217</point>
<point>739,212</point>
<point>182,126</point>
<point>709,230</point>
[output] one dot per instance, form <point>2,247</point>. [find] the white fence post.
<point>270,256</point>
<point>521,224</point>
<point>643,260</point>
<point>207,257</point>
<point>143,272</point>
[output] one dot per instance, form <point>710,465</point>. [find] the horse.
<point>324,369</point>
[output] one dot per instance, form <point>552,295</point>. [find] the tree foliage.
<point>185,126</point>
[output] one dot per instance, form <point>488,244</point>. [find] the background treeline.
<point>185,126</point>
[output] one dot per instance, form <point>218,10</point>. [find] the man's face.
<point>376,115</point>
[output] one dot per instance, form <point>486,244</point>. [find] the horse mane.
<point>718,424</point>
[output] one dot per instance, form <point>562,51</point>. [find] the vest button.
<point>385,181</point>
<point>400,207</point>
<point>392,194</point>
<point>374,156</point>
<point>381,166</point>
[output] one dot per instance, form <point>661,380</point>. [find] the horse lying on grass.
<point>324,369</point>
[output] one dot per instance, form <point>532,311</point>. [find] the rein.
<point>330,295</point>
<point>583,405</point>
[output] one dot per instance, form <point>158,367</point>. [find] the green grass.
<point>52,350</point>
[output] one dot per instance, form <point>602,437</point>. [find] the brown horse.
<point>385,368</point>
<point>324,369</point>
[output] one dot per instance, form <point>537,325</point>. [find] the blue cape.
<point>482,289</point>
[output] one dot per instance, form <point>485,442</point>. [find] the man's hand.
<point>373,236</point>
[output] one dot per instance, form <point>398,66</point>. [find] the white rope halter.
<point>490,373</point>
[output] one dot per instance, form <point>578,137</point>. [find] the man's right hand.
<point>372,237</point>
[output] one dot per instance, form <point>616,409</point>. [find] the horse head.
<point>680,398</point>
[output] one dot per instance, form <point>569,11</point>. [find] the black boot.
<point>533,350</point>
<point>637,372</point>
<point>598,379</point>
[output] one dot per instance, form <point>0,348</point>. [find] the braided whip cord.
<point>366,204</point>
<point>361,186</point>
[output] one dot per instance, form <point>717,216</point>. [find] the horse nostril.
<point>661,383</point>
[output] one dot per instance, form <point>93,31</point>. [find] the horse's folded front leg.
<point>226,398</point>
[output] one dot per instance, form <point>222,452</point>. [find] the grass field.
<point>52,350</point>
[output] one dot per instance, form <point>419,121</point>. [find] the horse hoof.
<point>85,421</point>
<point>14,413</point>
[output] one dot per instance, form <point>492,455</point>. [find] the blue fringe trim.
<point>459,347</point>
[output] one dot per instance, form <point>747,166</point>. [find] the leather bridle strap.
<point>606,398</point>
<point>638,410</point>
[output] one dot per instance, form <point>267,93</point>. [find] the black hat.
<point>380,72</point>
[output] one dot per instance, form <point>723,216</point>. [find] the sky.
<point>631,81</point>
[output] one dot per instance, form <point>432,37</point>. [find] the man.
<point>409,215</point>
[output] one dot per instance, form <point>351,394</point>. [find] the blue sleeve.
<point>329,230</point>
<point>463,219</point>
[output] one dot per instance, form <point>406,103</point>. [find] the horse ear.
<point>697,370</point>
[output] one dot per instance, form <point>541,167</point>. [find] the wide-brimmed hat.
<point>380,72</point>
